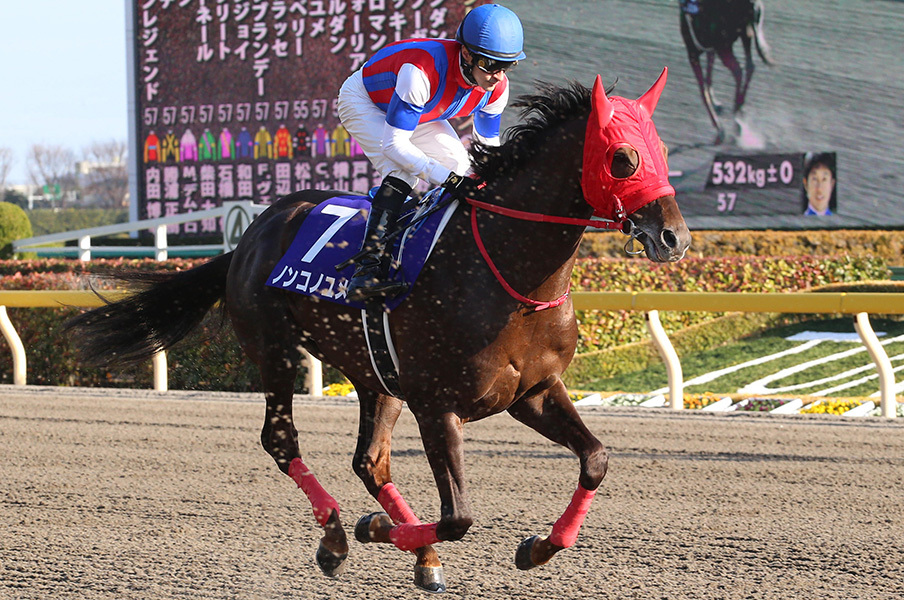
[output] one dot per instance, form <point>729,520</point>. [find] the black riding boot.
<point>370,275</point>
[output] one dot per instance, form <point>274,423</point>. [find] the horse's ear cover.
<point>613,123</point>
<point>650,98</point>
<point>601,108</point>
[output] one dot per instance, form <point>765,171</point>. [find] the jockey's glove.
<point>462,187</point>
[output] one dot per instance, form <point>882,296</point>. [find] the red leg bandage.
<point>321,501</point>
<point>393,503</point>
<point>411,537</point>
<point>565,531</point>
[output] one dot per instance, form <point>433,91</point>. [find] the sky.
<point>62,76</point>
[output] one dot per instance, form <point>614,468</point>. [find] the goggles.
<point>492,66</point>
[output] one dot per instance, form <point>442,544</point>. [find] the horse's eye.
<point>625,161</point>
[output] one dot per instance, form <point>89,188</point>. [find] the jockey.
<point>689,7</point>
<point>397,108</point>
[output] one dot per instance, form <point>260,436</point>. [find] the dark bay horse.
<point>489,325</point>
<point>714,30</point>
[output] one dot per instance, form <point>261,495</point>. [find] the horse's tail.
<point>167,307</point>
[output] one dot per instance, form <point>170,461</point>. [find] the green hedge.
<point>209,359</point>
<point>884,244</point>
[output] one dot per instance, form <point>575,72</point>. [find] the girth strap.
<point>375,319</point>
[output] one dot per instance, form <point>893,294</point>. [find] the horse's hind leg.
<point>379,414</point>
<point>280,439</point>
<point>759,37</point>
<point>748,73</point>
<point>278,365</point>
<point>553,415</point>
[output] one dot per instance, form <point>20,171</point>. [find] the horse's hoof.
<point>362,527</point>
<point>330,563</point>
<point>523,558</point>
<point>430,579</point>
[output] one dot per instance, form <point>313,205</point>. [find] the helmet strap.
<point>467,69</point>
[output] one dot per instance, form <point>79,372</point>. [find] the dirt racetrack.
<point>130,494</point>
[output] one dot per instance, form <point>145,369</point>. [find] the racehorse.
<point>714,30</point>
<point>488,326</point>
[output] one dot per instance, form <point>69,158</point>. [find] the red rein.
<point>528,216</point>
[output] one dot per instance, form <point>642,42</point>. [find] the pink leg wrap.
<point>408,536</point>
<point>393,503</point>
<point>321,501</point>
<point>565,531</point>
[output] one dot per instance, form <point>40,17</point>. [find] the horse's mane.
<point>550,106</point>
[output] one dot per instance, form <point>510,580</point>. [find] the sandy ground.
<point>131,494</point>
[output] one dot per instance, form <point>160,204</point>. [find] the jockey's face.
<point>486,81</point>
<point>819,184</point>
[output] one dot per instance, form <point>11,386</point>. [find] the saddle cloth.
<point>332,233</point>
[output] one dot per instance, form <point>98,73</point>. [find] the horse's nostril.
<point>669,238</point>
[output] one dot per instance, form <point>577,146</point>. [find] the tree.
<point>52,166</point>
<point>14,225</point>
<point>6,165</point>
<point>17,198</point>
<point>104,174</point>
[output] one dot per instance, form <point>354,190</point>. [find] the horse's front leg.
<point>378,416</point>
<point>280,439</point>
<point>705,86</point>
<point>553,415</point>
<point>726,54</point>
<point>442,439</point>
<point>708,79</point>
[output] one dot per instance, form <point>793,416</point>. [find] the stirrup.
<point>370,280</point>
<point>375,288</point>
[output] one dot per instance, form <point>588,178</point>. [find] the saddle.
<point>331,235</point>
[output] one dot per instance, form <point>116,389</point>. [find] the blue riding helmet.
<point>493,31</point>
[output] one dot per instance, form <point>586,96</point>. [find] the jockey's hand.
<point>462,187</point>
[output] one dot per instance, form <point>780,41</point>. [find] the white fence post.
<point>161,382</point>
<point>84,248</point>
<point>883,364</point>
<point>15,344</point>
<point>314,378</point>
<point>160,253</point>
<point>670,357</point>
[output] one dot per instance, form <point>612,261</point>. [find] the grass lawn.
<point>824,367</point>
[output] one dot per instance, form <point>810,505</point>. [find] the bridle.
<point>607,129</point>
<point>625,225</point>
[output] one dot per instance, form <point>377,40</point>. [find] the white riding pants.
<point>365,122</point>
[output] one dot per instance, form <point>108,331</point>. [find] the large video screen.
<point>831,97</point>
<point>237,100</point>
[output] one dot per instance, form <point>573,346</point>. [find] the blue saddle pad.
<point>332,233</point>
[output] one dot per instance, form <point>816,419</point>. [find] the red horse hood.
<point>614,123</point>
